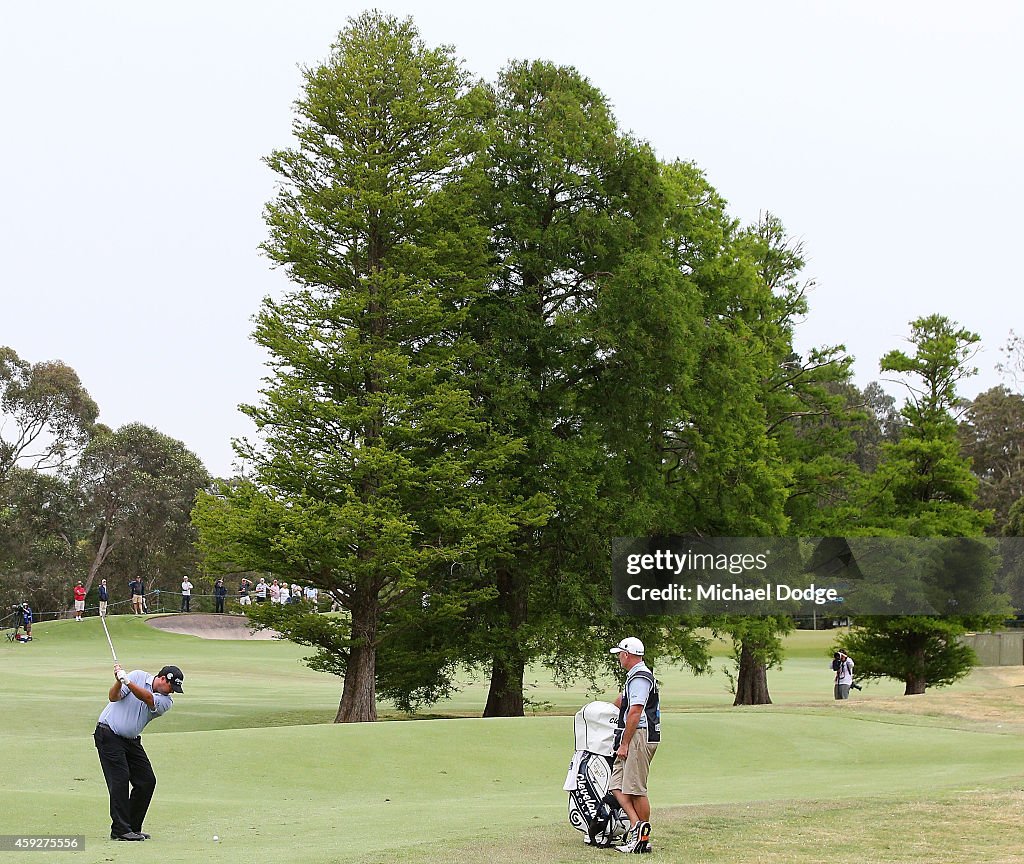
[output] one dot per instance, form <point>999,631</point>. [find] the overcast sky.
<point>886,135</point>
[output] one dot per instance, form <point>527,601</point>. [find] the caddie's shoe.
<point>145,836</point>
<point>638,839</point>
<point>643,840</point>
<point>629,841</point>
<point>130,835</point>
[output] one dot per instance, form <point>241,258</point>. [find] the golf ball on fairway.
<point>215,838</point>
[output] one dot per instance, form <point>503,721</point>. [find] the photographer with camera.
<point>23,619</point>
<point>842,665</point>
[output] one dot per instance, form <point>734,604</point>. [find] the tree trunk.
<point>101,555</point>
<point>915,681</point>
<point>505,696</point>
<point>916,685</point>
<point>752,679</point>
<point>359,695</point>
<point>508,668</point>
<point>98,559</point>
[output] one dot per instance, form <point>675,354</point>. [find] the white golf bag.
<point>592,808</point>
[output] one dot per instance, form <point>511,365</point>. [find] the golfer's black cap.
<point>174,675</point>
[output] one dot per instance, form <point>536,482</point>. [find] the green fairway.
<point>249,754</point>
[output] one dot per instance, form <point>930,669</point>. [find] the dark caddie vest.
<point>652,710</point>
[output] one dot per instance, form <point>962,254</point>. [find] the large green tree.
<point>586,328</point>
<point>806,418</point>
<point>375,468</point>
<point>137,487</point>
<point>47,415</point>
<point>722,466</point>
<point>40,517</point>
<point>924,487</point>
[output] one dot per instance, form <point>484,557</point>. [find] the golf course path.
<point>209,626</point>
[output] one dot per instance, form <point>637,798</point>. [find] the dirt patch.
<point>210,626</point>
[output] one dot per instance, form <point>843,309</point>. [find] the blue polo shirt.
<point>129,715</point>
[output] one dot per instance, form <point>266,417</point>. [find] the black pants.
<point>220,604</point>
<point>125,764</point>
<point>186,600</point>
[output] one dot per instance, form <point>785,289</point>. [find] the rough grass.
<point>991,699</point>
<point>969,827</point>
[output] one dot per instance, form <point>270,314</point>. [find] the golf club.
<point>103,620</point>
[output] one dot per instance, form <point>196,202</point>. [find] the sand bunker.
<point>210,626</point>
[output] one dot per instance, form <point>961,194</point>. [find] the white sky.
<point>886,135</point>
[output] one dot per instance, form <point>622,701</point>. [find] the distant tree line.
<point>80,501</point>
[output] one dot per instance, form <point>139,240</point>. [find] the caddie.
<point>637,735</point>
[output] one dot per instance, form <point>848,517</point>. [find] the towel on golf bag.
<point>595,728</point>
<point>593,810</point>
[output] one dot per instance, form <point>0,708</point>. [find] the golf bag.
<point>593,810</point>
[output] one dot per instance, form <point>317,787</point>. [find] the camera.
<point>855,686</point>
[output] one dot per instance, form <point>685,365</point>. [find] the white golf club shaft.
<point>103,620</point>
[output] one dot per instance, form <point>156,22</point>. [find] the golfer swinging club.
<point>637,734</point>
<point>135,699</point>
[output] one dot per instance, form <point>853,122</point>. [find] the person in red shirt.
<point>79,601</point>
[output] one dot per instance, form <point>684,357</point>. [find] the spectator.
<point>219,595</point>
<point>275,592</point>
<point>186,595</point>
<point>243,592</point>
<point>312,596</point>
<point>79,601</point>
<point>104,597</point>
<point>137,590</point>
<point>261,590</point>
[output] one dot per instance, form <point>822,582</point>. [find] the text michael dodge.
<point>729,593</point>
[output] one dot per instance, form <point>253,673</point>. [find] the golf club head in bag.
<point>593,810</point>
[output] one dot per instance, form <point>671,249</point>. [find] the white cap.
<point>631,645</point>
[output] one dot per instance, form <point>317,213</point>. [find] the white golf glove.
<point>122,676</point>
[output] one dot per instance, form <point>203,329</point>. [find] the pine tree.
<point>375,465</point>
<point>924,487</point>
